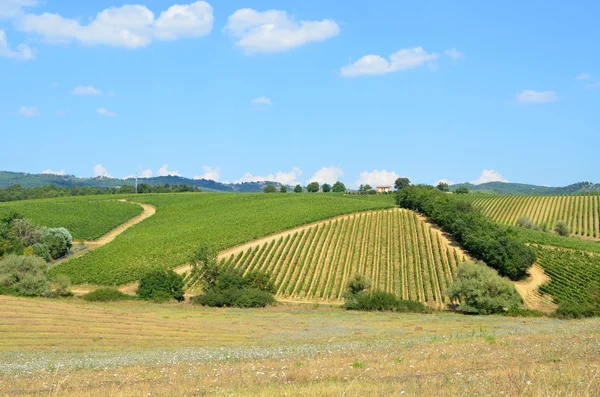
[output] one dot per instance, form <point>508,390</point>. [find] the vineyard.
<point>395,249</point>
<point>574,274</point>
<point>582,213</point>
<point>185,221</point>
<point>86,218</point>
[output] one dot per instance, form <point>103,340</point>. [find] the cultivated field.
<point>582,213</point>
<point>183,222</point>
<point>395,249</point>
<point>74,348</point>
<point>87,218</point>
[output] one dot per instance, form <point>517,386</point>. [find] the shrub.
<point>106,295</point>
<point>326,188</point>
<point>481,290</point>
<point>26,230</point>
<point>526,223</point>
<point>298,189</point>
<point>161,285</point>
<point>574,309</point>
<point>562,229</point>
<point>25,275</point>
<point>234,297</point>
<point>283,189</point>
<point>270,189</point>
<point>517,311</point>
<point>339,187</point>
<point>63,283</point>
<point>58,240</point>
<point>462,190</point>
<point>42,251</point>
<point>313,187</point>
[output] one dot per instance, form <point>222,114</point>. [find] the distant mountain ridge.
<point>520,188</point>
<point>8,178</point>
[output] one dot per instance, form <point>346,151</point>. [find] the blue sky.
<point>301,90</point>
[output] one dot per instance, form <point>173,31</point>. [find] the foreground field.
<point>582,213</point>
<point>72,348</point>
<point>87,218</point>
<point>183,222</point>
<point>395,249</point>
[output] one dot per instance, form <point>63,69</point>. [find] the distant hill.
<point>520,188</point>
<point>8,178</point>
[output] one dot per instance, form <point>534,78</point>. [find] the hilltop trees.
<point>298,189</point>
<point>313,187</point>
<point>401,183</point>
<point>462,190</point>
<point>339,187</point>
<point>270,189</point>
<point>283,189</point>
<point>443,187</point>
<point>326,188</point>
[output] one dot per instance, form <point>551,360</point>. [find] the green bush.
<point>270,189</point>
<point>234,297</point>
<point>62,283</point>
<point>562,229</point>
<point>526,223</point>
<point>480,290</point>
<point>517,311</point>
<point>106,295</point>
<point>161,285</point>
<point>42,251</point>
<point>25,275</point>
<point>58,240</point>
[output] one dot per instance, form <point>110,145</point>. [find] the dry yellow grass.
<point>74,348</point>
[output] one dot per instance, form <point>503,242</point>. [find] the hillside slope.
<point>521,188</point>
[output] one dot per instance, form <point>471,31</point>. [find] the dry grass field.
<point>74,348</point>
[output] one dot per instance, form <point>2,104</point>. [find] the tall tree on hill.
<point>443,187</point>
<point>401,183</point>
<point>298,189</point>
<point>270,189</point>
<point>326,188</point>
<point>283,189</point>
<point>462,190</point>
<point>339,187</point>
<point>313,187</point>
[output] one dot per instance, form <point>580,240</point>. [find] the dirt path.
<point>528,289</point>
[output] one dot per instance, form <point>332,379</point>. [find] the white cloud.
<point>531,96</point>
<point>53,172</point>
<point>212,173</point>
<point>489,176</point>
<point>286,178</point>
<point>14,8</point>
<point>29,111</point>
<point>129,26</point>
<point>584,76</point>
<point>377,178</point>
<point>164,171</point>
<point>262,100</point>
<point>274,31</point>
<point>85,90</point>
<point>454,54</point>
<point>22,53</point>
<point>99,170</point>
<point>404,59</point>
<point>328,175</point>
<point>105,112</point>
<point>147,173</point>
<point>447,181</point>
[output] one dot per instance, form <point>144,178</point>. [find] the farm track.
<point>528,289</point>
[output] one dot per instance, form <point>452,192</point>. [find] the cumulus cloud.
<point>531,96</point>
<point>447,181</point>
<point>404,59</point>
<point>454,54</point>
<point>22,53</point>
<point>164,171</point>
<point>377,178</point>
<point>328,175</point>
<point>275,31</point>
<point>489,176</point>
<point>129,26</point>
<point>85,90</point>
<point>99,170</point>
<point>53,172</point>
<point>212,173</point>
<point>584,76</point>
<point>262,100</point>
<point>14,8</point>
<point>29,111</point>
<point>147,173</point>
<point>286,178</point>
<point>106,113</point>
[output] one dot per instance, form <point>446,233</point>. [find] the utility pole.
<point>136,182</point>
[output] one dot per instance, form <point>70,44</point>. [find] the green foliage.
<point>313,187</point>
<point>526,223</point>
<point>562,229</point>
<point>518,311</point>
<point>326,188</point>
<point>270,189</point>
<point>62,285</point>
<point>462,190</point>
<point>400,183</point>
<point>170,237</point>
<point>298,189</point>
<point>42,251</point>
<point>339,187</point>
<point>85,218</point>
<point>25,275</point>
<point>484,239</point>
<point>283,189</point>
<point>442,186</point>
<point>481,290</point>
<point>161,285</point>
<point>58,240</point>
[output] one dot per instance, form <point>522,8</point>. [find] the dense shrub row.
<point>483,238</point>
<point>28,276</point>
<point>106,295</point>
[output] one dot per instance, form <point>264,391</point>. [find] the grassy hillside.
<point>521,188</point>
<point>398,251</point>
<point>86,217</point>
<point>582,213</point>
<point>184,222</point>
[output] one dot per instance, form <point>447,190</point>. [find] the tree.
<point>270,189</point>
<point>480,290</point>
<point>58,240</point>
<point>298,189</point>
<point>462,190</point>
<point>24,275</point>
<point>442,186</point>
<point>313,187</point>
<point>283,189</point>
<point>401,183</point>
<point>339,187</point>
<point>161,285</point>
<point>562,228</point>
<point>326,188</point>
